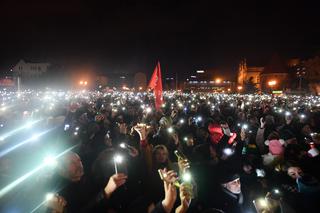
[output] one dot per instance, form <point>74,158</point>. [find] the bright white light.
<point>118,158</point>
<point>35,137</point>
<point>245,126</point>
<point>181,121</point>
<point>123,145</point>
<point>50,161</point>
<point>18,181</point>
<point>263,202</point>
<point>49,196</point>
<point>75,133</point>
<point>148,110</point>
<point>29,125</point>
<point>170,130</point>
<point>302,116</point>
<point>260,172</point>
<point>199,118</point>
<point>227,151</point>
<point>276,191</point>
<point>185,138</point>
<point>186,177</point>
<point>77,128</point>
<point>66,127</point>
<point>288,113</point>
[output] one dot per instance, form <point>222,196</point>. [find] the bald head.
<point>70,167</point>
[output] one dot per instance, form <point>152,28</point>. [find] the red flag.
<point>156,84</point>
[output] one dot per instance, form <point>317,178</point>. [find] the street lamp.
<point>272,83</point>
<point>239,88</point>
<point>83,83</point>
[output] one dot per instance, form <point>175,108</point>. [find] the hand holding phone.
<point>169,176</point>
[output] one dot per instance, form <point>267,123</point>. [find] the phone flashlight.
<point>228,151</point>
<point>245,126</point>
<point>66,127</point>
<point>170,130</point>
<point>186,177</point>
<point>49,196</point>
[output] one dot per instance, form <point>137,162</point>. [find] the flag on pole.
<point>156,84</point>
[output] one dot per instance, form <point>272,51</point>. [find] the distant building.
<point>245,73</point>
<point>7,82</point>
<point>207,81</point>
<point>140,81</point>
<point>27,69</point>
<point>275,75</point>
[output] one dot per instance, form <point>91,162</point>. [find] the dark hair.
<point>289,164</point>
<point>273,136</point>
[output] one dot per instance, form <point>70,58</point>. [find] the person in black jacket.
<point>78,189</point>
<point>230,199</point>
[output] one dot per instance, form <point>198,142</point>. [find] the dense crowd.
<point>199,153</point>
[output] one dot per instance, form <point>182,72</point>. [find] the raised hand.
<point>115,181</point>
<point>184,164</point>
<point>56,204</point>
<point>142,130</point>
<point>262,123</point>
<point>169,177</point>
<point>185,197</point>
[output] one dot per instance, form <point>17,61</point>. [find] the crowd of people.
<point>199,152</point>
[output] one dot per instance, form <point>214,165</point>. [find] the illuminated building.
<point>245,73</point>
<point>27,69</point>
<point>208,81</point>
<point>275,71</point>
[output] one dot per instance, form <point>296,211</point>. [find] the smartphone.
<point>180,155</point>
<point>176,183</point>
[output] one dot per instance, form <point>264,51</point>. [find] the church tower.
<point>242,72</point>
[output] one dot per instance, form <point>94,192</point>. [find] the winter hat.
<point>227,175</point>
<point>275,146</point>
<point>215,129</point>
<point>215,132</point>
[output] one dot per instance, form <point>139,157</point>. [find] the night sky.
<point>130,36</point>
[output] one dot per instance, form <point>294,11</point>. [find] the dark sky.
<point>130,36</point>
